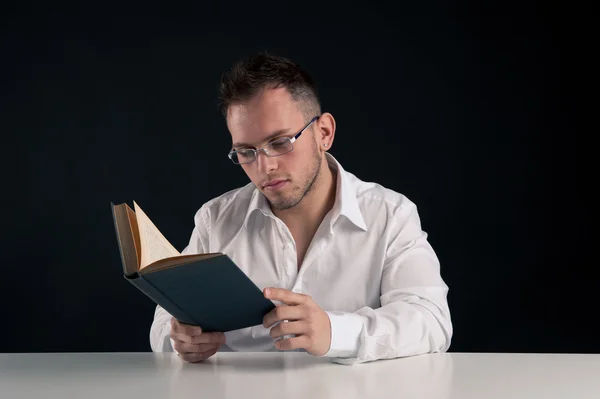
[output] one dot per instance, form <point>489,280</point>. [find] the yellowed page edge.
<point>154,245</point>
<point>136,235</point>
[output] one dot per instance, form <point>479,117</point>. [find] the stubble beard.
<point>282,203</point>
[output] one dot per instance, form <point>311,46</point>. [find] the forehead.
<point>269,111</point>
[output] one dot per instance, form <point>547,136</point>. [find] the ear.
<point>325,131</point>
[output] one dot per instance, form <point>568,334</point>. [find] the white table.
<point>298,375</point>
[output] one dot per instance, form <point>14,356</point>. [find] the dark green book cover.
<point>207,290</point>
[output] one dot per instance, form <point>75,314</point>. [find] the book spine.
<point>122,255</point>
<point>153,293</point>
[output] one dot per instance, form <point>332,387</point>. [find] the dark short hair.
<point>250,75</point>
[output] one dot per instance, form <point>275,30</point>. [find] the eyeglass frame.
<point>263,148</point>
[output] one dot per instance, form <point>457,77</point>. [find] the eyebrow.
<point>269,137</point>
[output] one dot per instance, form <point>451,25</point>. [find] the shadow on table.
<point>303,376</point>
<point>259,362</point>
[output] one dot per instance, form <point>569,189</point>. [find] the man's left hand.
<point>308,323</point>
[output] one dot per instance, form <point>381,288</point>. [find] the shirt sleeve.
<point>160,330</point>
<point>414,317</point>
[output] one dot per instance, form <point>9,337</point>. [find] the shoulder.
<point>375,195</point>
<point>232,204</point>
<point>382,208</point>
<point>388,214</point>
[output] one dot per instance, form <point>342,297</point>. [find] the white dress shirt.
<point>369,266</point>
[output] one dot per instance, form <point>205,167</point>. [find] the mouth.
<point>274,184</point>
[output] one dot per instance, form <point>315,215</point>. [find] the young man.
<point>347,257</point>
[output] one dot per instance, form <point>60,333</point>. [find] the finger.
<point>186,329</point>
<point>204,338</point>
<point>197,357</point>
<point>300,342</point>
<point>291,328</point>
<point>284,313</point>
<point>184,347</point>
<point>286,296</point>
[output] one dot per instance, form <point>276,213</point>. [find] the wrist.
<point>346,329</point>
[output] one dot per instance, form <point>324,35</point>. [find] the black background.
<point>466,110</point>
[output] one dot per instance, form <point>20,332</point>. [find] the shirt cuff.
<point>172,348</point>
<point>168,343</point>
<point>345,334</point>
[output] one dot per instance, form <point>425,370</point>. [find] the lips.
<point>273,183</point>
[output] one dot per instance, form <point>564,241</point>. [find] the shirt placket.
<point>288,250</point>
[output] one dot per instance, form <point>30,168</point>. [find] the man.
<point>347,261</point>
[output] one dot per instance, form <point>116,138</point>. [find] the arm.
<point>414,317</point>
<point>160,330</point>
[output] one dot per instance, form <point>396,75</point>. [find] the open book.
<point>143,247</point>
<point>207,290</point>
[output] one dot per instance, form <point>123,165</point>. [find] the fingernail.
<point>267,292</point>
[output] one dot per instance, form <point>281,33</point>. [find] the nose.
<point>265,164</point>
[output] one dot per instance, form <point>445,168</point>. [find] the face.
<point>286,179</point>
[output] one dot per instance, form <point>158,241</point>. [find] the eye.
<point>280,143</point>
<point>244,152</point>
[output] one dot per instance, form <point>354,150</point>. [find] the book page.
<point>135,232</point>
<point>154,245</point>
<point>129,257</point>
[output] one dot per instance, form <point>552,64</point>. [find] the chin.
<point>282,203</point>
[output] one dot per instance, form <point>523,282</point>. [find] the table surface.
<point>284,375</point>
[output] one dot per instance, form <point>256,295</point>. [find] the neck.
<point>308,214</point>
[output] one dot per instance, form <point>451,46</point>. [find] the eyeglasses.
<point>275,148</point>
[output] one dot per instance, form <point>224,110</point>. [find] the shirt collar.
<point>258,203</point>
<point>345,203</point>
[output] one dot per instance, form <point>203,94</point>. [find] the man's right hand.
<point>192,344</point>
